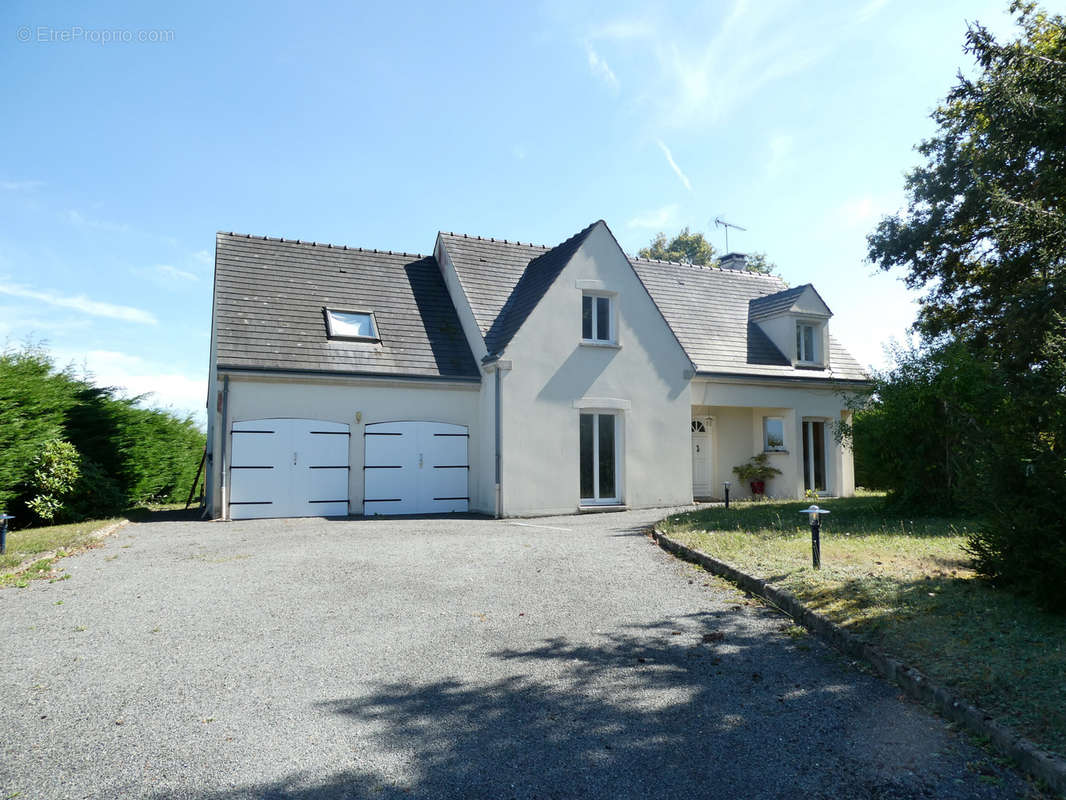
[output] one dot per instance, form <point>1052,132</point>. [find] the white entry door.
<point>415,468</point>
<point>701,458</point>
<point>288,468</point>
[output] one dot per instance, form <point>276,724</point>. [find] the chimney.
<point>737,261</point>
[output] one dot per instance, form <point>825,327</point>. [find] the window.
<point>807,336</point>
<point>597,323</point>
<point>598,463</point>
<point>354,325</point>
<point>773,433</point>
<point>814,455</point>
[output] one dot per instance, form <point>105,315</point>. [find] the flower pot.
<point>758,487</point>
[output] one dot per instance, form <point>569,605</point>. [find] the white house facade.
<point>510,379</point>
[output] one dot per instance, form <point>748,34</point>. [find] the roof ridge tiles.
<point>314,243</point>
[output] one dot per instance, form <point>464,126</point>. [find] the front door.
<point>701,458</point>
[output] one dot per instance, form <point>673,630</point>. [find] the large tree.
<point>984,236</point>
<point>984,233</point>
<point>693,248</point>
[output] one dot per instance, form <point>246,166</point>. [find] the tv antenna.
<point>721,223</point>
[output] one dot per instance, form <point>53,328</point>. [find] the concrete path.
<point>548,658</point>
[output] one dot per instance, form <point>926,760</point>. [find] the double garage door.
<point>300,468</point>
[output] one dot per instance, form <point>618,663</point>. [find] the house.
<point>511,379</point>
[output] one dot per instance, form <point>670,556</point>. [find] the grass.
<point>905,583</point>
<point>52,543</point>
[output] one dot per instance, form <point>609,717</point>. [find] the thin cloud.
<point>164,273</point>
<point>20,186</point>
<point>83,304</point>
<point>203,256</point>
<point>780,151</point>
<point>673,164</point>
<point>600,68</point>
<point>135,376</point>
<point>870,9</point>
<point>655,220</point>
<point>77,218</point>
<point>699,68</point>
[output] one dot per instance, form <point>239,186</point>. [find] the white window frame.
<point>598,415</point>
<point>612,338</point>
<point>816,342</point>
<point>329,312</point>
<point>767,447</point>
<point>808,465</point>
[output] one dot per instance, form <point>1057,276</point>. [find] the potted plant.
<point>756,472</point>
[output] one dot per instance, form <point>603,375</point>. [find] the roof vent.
<point>737,261</point>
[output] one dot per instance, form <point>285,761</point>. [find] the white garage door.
<point>288,468</point>
<point>415,468</point>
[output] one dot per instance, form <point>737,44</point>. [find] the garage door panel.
<point>258,443</point>
<point>446,507</point>
<point>447,450</point>
<point>370,508</point>
<point>321,509</point>
<point>254,485</point>
<point>270,468</point>
<point>253,510</point>
<point>328,484</point>
<point>449,483</point>
<point>415,467</point>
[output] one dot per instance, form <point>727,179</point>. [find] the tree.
<point>693,248</point>
<point>984,235</point>
<point>687,247</point>
<point>985,229</point>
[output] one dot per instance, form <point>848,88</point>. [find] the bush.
<point>54,477</point>
<point>127,455</point>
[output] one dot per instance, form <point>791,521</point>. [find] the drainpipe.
<point>499,416</point>
<point>223,489</point>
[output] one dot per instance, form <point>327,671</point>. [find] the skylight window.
<point>354,325</point>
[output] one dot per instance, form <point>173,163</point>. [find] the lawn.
<point>49,543</point>
<point>906,584</point>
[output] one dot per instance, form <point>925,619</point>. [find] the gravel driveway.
<point>548,658</point>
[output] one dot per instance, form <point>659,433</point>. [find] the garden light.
<point>3,532</point>
<point>816,530</point>
<point>726,485</point>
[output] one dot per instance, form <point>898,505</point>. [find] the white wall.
<point>738,410</point>
<point>377,401</point>
<point>551,370</point>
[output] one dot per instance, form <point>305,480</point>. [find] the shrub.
<point>53,480</point>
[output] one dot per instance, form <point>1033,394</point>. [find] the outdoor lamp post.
<point>3,532</point>
<point>816,531</point>
<point>726,485</point>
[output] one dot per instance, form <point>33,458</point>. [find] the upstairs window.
<point>597,318</point>
<point>807,341</point>
<point>356,326</point>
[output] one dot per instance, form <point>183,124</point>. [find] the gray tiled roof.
<point>537,278</point>
<point>707,307</point>
<point>269,296</point>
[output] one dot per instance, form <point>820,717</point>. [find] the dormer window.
<point>356,326</point>
<point>808,339</point>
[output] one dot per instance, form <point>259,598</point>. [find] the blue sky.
<point>378,125</point>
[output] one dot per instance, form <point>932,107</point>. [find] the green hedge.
<point>125,455</point>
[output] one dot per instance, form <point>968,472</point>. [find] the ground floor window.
<point>599,462</point>
<point>814,455</point>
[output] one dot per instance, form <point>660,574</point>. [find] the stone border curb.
<point>97,535</point>
<point>1046,766</point>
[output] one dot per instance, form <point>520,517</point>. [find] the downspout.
<point>223,489</point>
<point>499,416</point>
